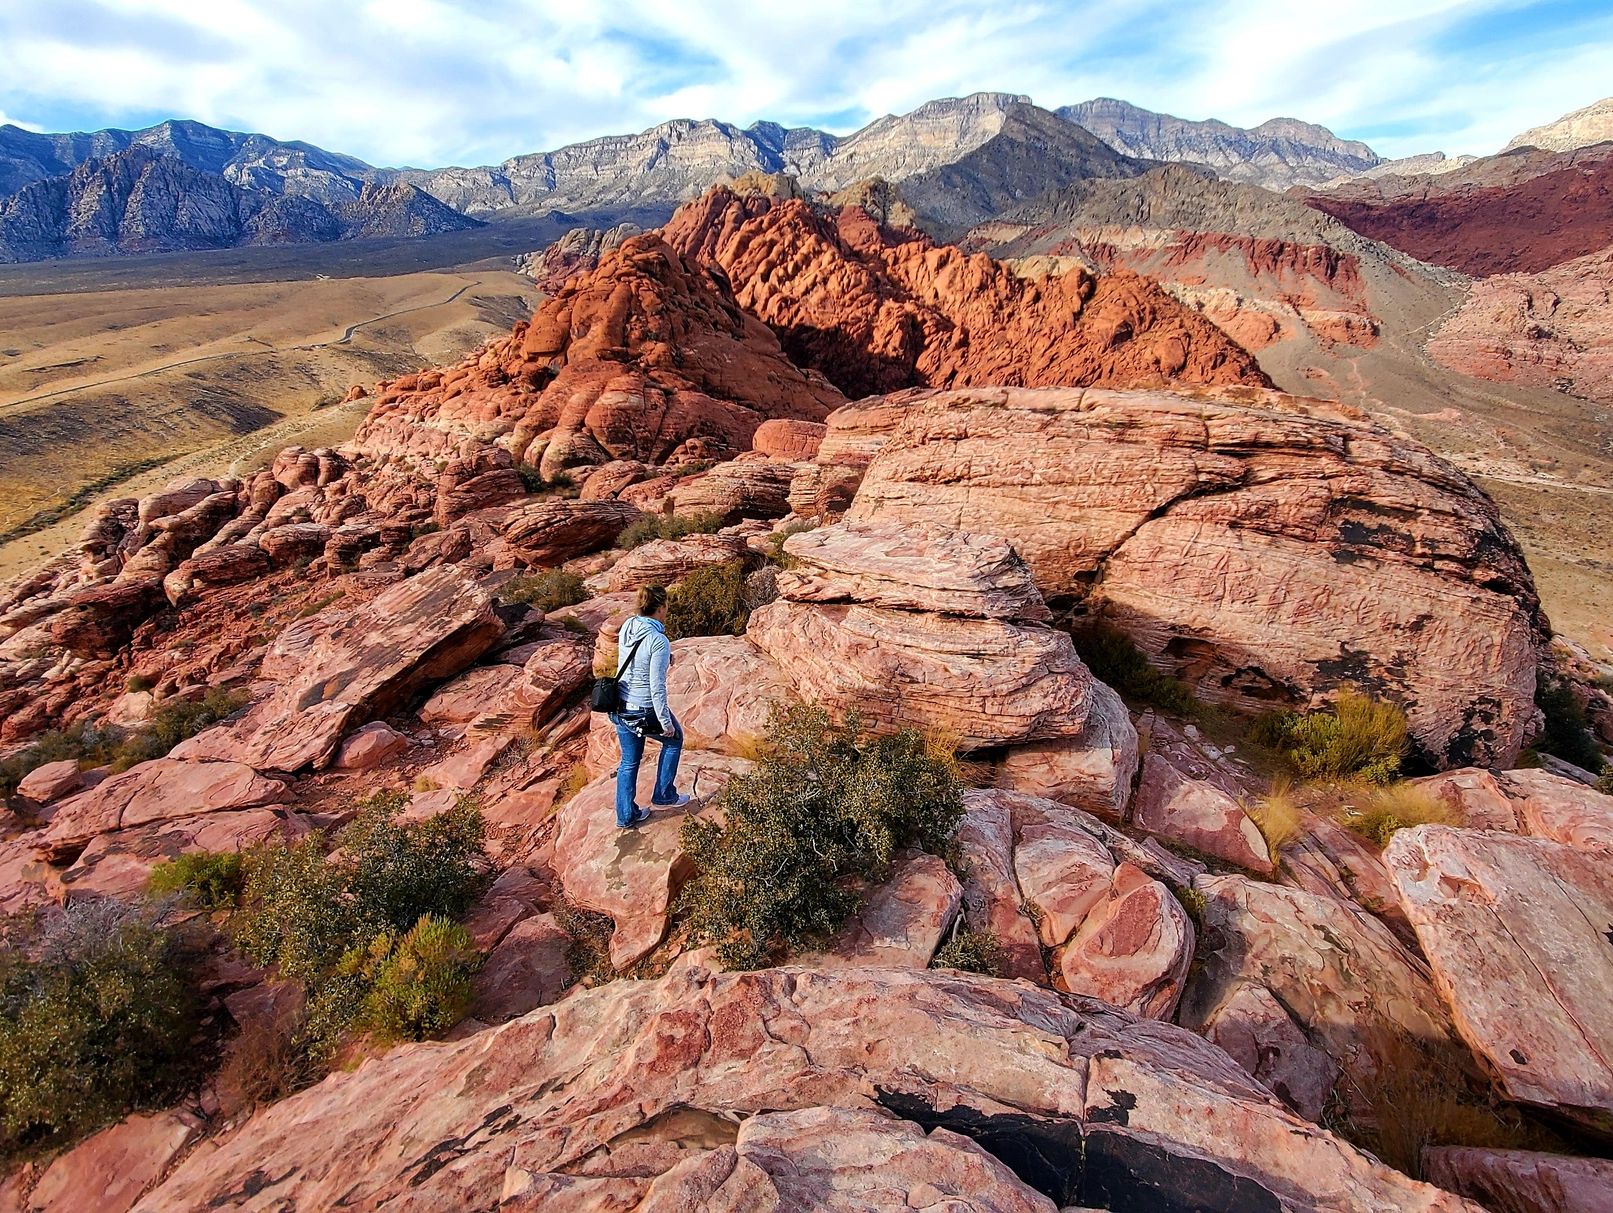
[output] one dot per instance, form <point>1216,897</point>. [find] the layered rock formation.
<point>1266,551</point>
<point>646,358</point>
<point>876,310</point>
<point>1582,128</point>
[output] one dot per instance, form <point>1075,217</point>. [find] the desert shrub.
<point>1396,806</point>
<point>775,541</point>
<point>136,683</point>
<point>1357,738</point>
<point>561,484</point>
<point>708,602</point>
<point>1604,785</point>
<point>208,880</point>
<point>417,985</point>
<point>174,721</point>
<point>1112,657</point>
<point>972,951</point>
<point>588,953</point>
<point>1194,903</point>
<point>98,1017</point>
<point>668,526</point>
<point>1567,734</point>
<point>823,806</point>
<point>548,591</point>
<point>265,1062</point>
<point>310,914</point>
<point>1277,816</point>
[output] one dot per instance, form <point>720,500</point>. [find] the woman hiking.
<point>646,655</point>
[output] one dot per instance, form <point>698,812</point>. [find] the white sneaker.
<point>679,803</point>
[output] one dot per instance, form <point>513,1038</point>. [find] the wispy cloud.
<point>432,82</point>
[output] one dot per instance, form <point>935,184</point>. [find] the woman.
<point>645,655</point>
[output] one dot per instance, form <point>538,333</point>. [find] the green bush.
<point>1357,738</point>
<point>776,541</point>
<point>548,591</point>
<point>305,912</point>
<point>208,880</point>
<point>98,1017</point>
<point>971,951</point>
<point>1112,657</point>
<point>417,985</point>
<point>710,601</point>
<point>823,805</point>
<point>668,526</point>
<point>1567,733</point>
<point>561,484</point>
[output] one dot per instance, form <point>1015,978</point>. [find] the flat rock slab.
<point>119,864</point>
<point>526,969</point>
<point>51,781</point>
<point>112,1170</point>
<point>342,668</point>
<point>1127,1113</point>
<point>1519,932</point>
<point>1523,1181</point>
<point>632,875</point>
<point>164,789</point>
<point>912,567</point>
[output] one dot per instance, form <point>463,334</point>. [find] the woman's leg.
<point>627,771</point>
<point>666,768</point>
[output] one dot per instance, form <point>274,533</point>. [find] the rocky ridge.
<point>1583,128</point>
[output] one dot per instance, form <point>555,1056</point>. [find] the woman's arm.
<point>660,660</point>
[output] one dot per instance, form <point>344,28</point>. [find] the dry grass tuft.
<point>1383,811</point>
<point>1277,814</point>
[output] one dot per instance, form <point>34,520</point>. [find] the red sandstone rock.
<point>1516,932</point>
<point>526,969</point>
<point>345,667</point>
<point>98,621</point>
<point>112,1170</point>
<point>902,920</point>
<point>1091,769</point>
<point>609,479</point>
<point>992,902</point>
<point>119,864</point>
<point>1197,813</point>
<point>1132,949</point>
<point>368,747</point>
<point>1523,1181</point>
<point>793,441</point>
<point>1128,1111</point>
<point>877,310</point>
<point>52,781</point>
<point>665,561</point>
<point>1243,546</point>
<point>625,362</point>
<point>1263,1038</point>
<point>484,476</point>
<point>740,488</point>
<point>552,532</point>
<point>157,791</point>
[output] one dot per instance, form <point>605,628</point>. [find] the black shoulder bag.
<point>607,695</point>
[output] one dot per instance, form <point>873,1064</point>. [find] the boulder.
<point>344,668</point>
<point>1064,872</point>
<point>1517,933</point>
<point>526,969</point>
<point>52,781</point>
<point>370,746</point>
<point>1091,770</point>
<point>483,477</point>
<point>1264,549</point>
<point>555,531</point>
<point>991,898</point>
<point>1263,1038</point>
<point>609,479</point>
<point>632,875</point>
<point>1132,949</point>
<point>98,620</point>
<point>740,488</point>
<point>1197,813</point>
<point>913,567</point>
<point>472,695</point>
<point>161,790</point>
<point>1351,987</point>
<point>784,438</point>
<point>649,1080</point>
<point>1522,1181</point>
<point>665,561</point>
<point>902,920</point>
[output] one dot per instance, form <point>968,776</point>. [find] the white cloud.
<point>431,81</point>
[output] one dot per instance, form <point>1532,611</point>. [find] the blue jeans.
<point>666,770</point>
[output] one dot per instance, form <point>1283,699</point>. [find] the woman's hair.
<point>651,599</point>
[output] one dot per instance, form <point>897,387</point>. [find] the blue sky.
<point>433,82</point>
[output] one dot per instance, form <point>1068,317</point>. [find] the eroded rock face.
<point>1118,1108</point>
<point>1523,1181</point>
<point>1516,931</point>
<point>877,310</point>
<point>1266,551</point>
<point>1528,801</point>
<point>347,667</point>
<point>629,361</point>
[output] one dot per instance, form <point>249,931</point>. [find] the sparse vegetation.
<point>206,880</point>
<point>1114,659</point>
<point>1358,738</point>
<point>561,484</point>
<point>971,951</point>
<point>775,542</point>
<point>547,591</point>
<point>1277,815</point>
<point>135,683</point>
<point>80,498</point>
<point>825,806</point>
<point>667,526</point>
<point>333,921</point>
<point>418,984</point>
<point>1567,734</point>
<point>709,602</point>
<point>588,954</point>
<point>91,744</point>
<point>98,1017</point>
<point>1384,810</point>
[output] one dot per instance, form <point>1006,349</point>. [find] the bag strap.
<point>628,663</point>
